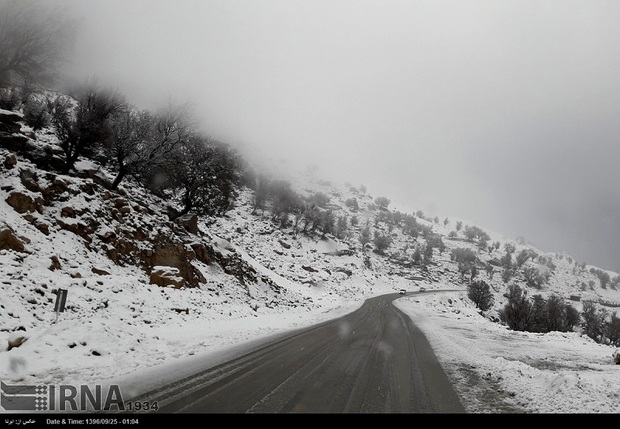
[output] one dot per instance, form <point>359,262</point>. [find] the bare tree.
<point>131,129</point>
<point>202,176</point>
<point>170,128</point>
<point>33,42</point>
<point>82,124</point>
<point>261,193</point>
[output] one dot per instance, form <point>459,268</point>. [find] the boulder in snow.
<point>8,239</point>
<point>9,121</point>
<point>21,202</point>
<point>16,341</point>
<point>10,161</point>
<point>616,356</point>
<point>99,271</point>
<point>166,276</point>
<point>189,222</point>
<point>55,263</point>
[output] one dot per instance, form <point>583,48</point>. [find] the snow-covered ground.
<point>499,370</point>
<point>495,370</point>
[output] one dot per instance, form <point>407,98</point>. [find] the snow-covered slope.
<point>144,292</point>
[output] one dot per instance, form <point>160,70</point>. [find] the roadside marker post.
<point>61,299</point>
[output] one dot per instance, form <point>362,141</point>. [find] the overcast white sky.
<point>503,113</point>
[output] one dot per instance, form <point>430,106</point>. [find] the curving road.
<point>373,360</point>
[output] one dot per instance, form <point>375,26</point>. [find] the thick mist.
<point>500,113</point>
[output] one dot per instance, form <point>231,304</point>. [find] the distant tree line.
<point>162,151</point>
<point>537,314</point>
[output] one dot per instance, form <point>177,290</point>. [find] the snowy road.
<point>373,360</point>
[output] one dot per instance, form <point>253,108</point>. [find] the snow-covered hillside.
<point>146,294</point>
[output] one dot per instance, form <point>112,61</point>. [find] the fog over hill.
<point>503,114</point>
<point>150,300</point>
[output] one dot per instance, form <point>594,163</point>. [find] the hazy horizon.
<point>501,113</point>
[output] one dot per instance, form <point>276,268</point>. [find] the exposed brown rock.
<point>78,228</point>
<point>67,212</point>
<point>189,222</point>
<point>190,254</point>
<point>29,180</point>
<point>8,239</point>
<point>120,202</point>
<point>55,263</point>
<point>10,161</point>
<point>42,226</point>
<point>99,271</point>
<point>141,209</point>
<point>166,276</point>
<point>21,202</point>
<point>99,178</point>
<point>16,342</point>
<point>59,185</point>
<point>201,252</point>
<point>106,234</point>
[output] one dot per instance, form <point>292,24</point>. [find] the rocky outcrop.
<point>15,342</point>
<point>55,263</point>
<point>99,271</point>
<point>189,222</point>
<point>10,161</point>
<point>22,202</point>
<point>99,178</point>
<point>166,276</point>
<point>170,253</point>
<point>79,227</point>
<point>233,264</point>
<point>202,252</point>
<point>10,122</point>
<point>29,179</point>
<point>12,137</point>
<point>128,231</point>
<point>8,239</point>
<point>15,142</point>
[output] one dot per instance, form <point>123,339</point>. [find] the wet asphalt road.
<point>373,360</point>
